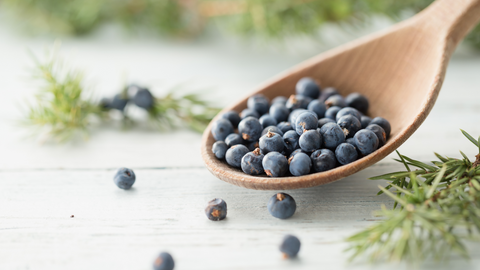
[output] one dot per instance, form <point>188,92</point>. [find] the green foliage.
<point>267,18</point>
<point>439,208</point>
<point>62,109</point>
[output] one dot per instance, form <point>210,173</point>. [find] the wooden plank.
<point>117,229</point>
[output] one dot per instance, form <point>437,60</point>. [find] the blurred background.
<point>219,49</point>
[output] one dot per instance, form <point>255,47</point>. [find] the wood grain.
<point>400,70</point>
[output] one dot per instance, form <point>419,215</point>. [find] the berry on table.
<point>282,206</point>
<point>332,135</point>
<point>250,129</point>
<point>119,102</point>
<point>275,164</point>
<point>235,154</point>
<point>380,132</point>
<point>124,178</point>
<point>233,139</point>
<point>233,117</point>
<point>366,141</point>
<point>307,87</point>
<point>221,129</point>
<point>306,121</point>
<point>164,261</point>
<point>252,162</point>
<point>216,209</point>
<point>346,153</point>
<point>259,103</point>
<point>219,149</point>
<point>144,99</point>
<point>349,124</point>
<point>279,112</point>
<point>249,113</point>
<point>323,160</point>
<point>357,101</point>
<point>271,142</point>
<point>290,246</point>
<point>310,141</point>
<point>383,123</point>
<point>299,164</point>
<point>267,120</point>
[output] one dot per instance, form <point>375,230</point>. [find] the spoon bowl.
<point>400,70</point>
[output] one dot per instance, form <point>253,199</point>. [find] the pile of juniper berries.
<point>314,130</point>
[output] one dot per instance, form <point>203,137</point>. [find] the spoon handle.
<point>452,19</point>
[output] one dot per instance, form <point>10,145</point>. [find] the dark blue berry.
<point>290,246</point>
<point>281,205</point>
<point>284,126</point>
<point>365,120</point>
<point>323,121</point>
<point>234,139</point>
<point>219,149</point>
<point>216,209</point>
<point>351,141</point>
<point>306,121</point>
<point>250,129</point>
<point>144,99</point>
<point>273,129</point>
<point>252,162</point>
<point>346,153</point>
<point>106,103</point>
<point>323,160</point>
<point>252,145</point>
<point>335,100</point>
<point>383,123</point>
<point>279,100</point>
<point>221,129</point>
<point>332,135</point>
<point>357,101</point>
<point>235,154</point>
<point>297,102</point>
<point>271,142</point>
<point>349,124</point>
<point>327,92</point>
<point>164,261</point>
<point>124,178</point>
<point>299,164</point>
<point>317,107</point>
<point>293,116</point>
<point>259,103</point>
<point>332,112</point>
<point>348,111</point>
<point>119,102</point>
<point>296,152</point>
<point>290,139</point>
<point>275,164</point>
<point>380,132</point>
<point>366,141</point>
<point>267,120</point>
<point>310,141</point>
<point>307,87</point>
<point>279,112</point>
<point>249,113</point>
<point>233,117</point>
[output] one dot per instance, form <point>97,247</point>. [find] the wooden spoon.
<point>400,70</point>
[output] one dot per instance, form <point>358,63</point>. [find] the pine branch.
<point>439,211</point>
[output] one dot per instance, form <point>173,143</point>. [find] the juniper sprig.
<point>436,209</point>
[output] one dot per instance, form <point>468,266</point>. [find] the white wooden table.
<point>42,186</point>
